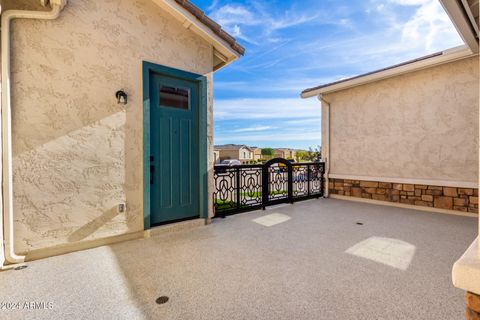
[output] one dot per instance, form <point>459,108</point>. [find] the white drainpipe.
<point>6,124</point>
<point>327,130</point>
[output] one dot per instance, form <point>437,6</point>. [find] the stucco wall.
<point>421,125</point>
<point>229,154</point>
<point>245,154</point>
<point>77,153</point>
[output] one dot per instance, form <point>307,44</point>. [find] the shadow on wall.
<point>93,225</point>
<point>77,153</point>
<point>65,189</point>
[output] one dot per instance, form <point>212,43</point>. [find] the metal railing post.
<point>308,180</point>
<point>322,186</point>
<point>290,182</point>
<point>237,187</point>
<point>264,186</point>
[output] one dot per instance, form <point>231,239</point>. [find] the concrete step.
<point>174,227</point>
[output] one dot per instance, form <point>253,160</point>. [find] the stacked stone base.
<point>473,306</point>
<point>450,198</point>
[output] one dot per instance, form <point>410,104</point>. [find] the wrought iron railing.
<point>250,187</point>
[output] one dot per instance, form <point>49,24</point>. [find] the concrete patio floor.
<point>319,264</point>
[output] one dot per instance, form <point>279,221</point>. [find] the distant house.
<point>257,153</point>
<point>235,151</point>
<point>285,153</point>
<point>216,156</point>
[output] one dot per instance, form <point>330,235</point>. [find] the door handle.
<point>152,169</point>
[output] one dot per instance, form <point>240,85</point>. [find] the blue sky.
<point>292,45</point>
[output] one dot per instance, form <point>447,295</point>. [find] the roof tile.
<point>212,25</point>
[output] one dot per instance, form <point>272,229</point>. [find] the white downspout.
<point>6,123</point>
<point>326,104</point>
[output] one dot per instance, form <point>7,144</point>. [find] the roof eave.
<point>446,56</point>
<point>222,49</point>
<point>459,14</point>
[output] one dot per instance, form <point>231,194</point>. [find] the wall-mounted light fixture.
<point>122,97</point>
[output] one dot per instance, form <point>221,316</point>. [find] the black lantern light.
<point>121,97</point>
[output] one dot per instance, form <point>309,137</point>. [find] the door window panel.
<point>175,97</point>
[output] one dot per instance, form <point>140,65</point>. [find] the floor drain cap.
<point>360,223</point>
<point>161,300</point>
<point>20,268</point>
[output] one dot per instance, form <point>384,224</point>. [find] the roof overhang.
<point>429,61</point>
<point>223,52</point>
<point>464,15</point>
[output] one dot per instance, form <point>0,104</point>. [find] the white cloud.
<point>235,18</point>
<point>429,26</point>
<point>410,2</point>
<point>229,15</point>
<point>303,122</point>
<point>277,86</point>
<point>236,32</point>
<point>277,137</point>
<point>236,109</point>
<point>397,37</point>
<point>428,29</point>
<point>213,5</point>
<point>277,24</point>
<point>254,129</point>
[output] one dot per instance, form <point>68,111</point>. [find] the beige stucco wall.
<point>257,154</point>
<point>285,153</point>
<point>229,154</point>
<point>216,156</point>
<point>77,153</point>
<point>245,154</point>
<point>236,154</point>
<point>421,125</point>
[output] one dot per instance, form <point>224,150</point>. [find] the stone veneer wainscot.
<point>450,198</point>
<point>473,306</point>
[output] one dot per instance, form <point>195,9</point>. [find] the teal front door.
<point>174,148</point>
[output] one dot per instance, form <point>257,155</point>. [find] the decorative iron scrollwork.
<point>249,187</point>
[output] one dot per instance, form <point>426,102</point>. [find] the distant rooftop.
<point>231,146</point>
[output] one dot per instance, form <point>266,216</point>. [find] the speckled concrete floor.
<point>238,269</point>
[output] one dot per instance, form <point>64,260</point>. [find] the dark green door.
<point>174,149</point>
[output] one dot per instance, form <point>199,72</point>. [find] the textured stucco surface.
<point>77,153</point>
<point>421,125</point>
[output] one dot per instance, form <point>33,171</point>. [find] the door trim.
<point>147,69</point>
